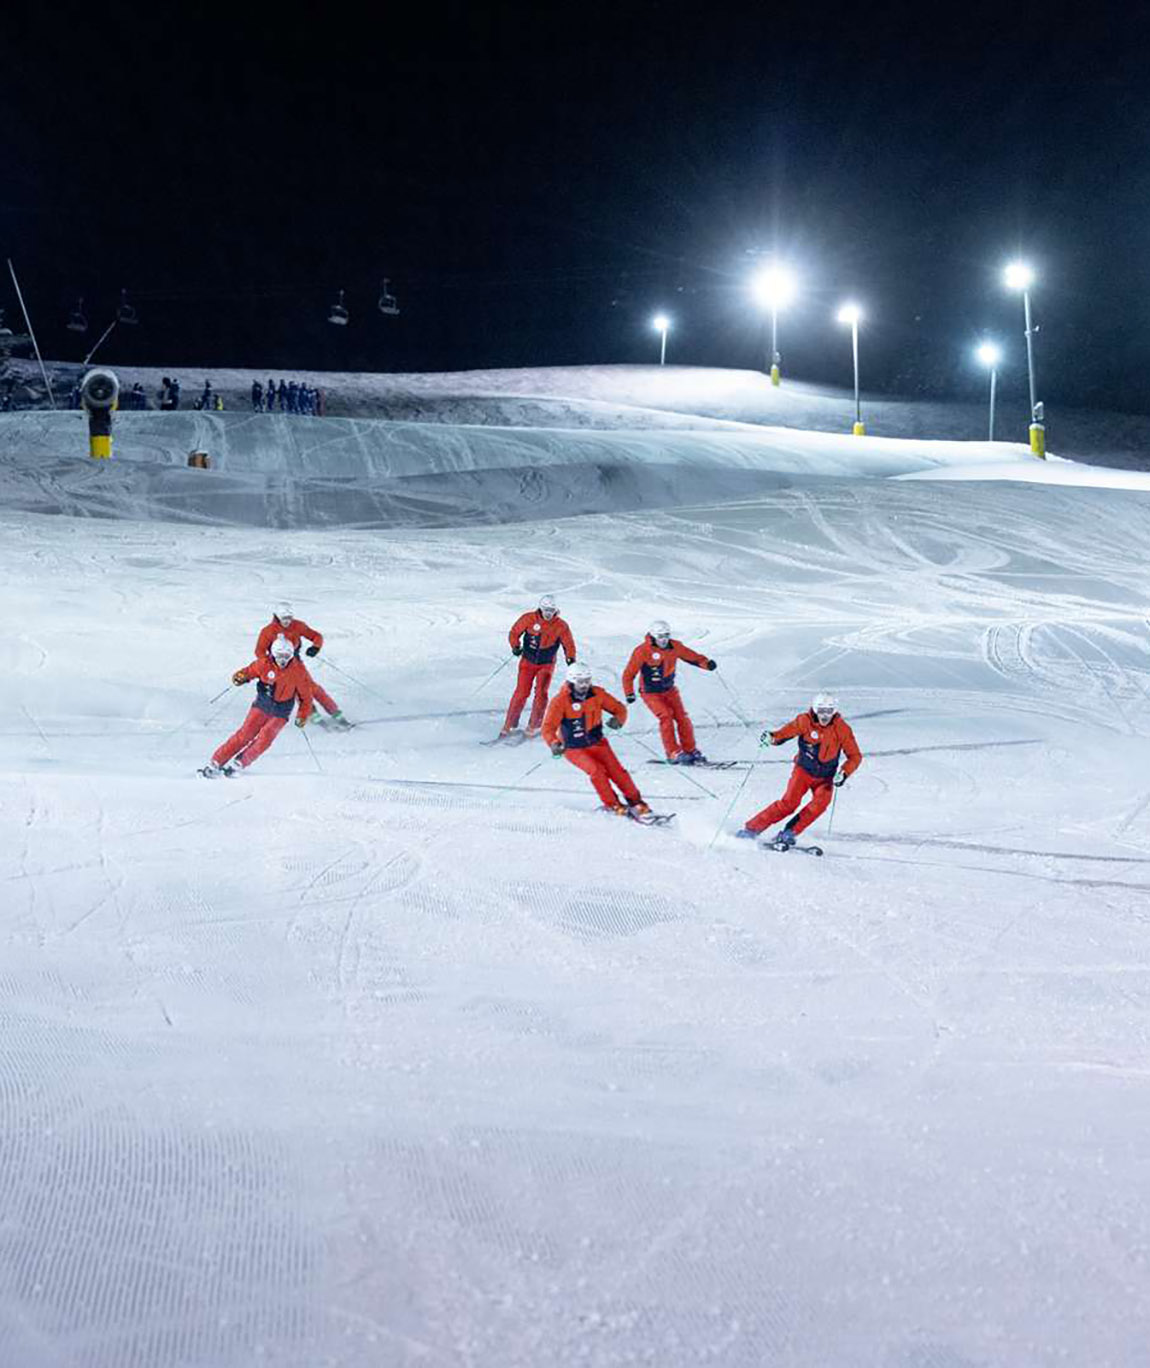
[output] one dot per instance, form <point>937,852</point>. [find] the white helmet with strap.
<point>824,706</point>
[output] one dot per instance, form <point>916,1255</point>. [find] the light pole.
<point>1019,276</point>
<point>661,323</point>
<point>990,356</point>
<point>774,289</point>
<point>852,314</point>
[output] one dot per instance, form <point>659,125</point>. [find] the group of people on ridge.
<point>572,722</point>
<point>292,397</point>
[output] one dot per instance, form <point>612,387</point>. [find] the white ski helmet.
<point>660,632</point>
<point>548,608</point>
<point>579,676</point>
<point>282,651</point>
<point>283,614</point>
<point>824,706</point>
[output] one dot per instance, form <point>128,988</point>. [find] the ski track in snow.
<point>423,1061</point>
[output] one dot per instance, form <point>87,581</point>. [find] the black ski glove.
<point>313,650</point>
<point>840,779</point>
<point>629,697</point>
<point>240,677</point>
<point>517,650</point>
<point>766,739</point>
<point>556,750</point>
<point>710,665</point>
<point>614,723</point>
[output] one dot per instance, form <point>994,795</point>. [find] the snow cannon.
<point>100,396</point>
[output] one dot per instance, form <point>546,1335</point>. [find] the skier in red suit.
<point>284,622</point>
<point>281,682</point>
<point>823,736</point>
<point>535,638</point>
<point>573,728</point>
<point>654,660</point>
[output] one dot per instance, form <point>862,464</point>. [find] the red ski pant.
<point>253,738</point>
<point>668,709</point>
<point>530,676</point>
<point>324,699</point>
<point>821,791</point>
<point>602,766</point>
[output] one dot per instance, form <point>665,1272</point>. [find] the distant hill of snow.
<point>611,397</point>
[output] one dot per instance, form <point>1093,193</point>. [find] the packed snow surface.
<point>394,1051</point>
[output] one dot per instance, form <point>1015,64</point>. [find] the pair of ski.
<point>703,764</point>
<point>651,819</point>
<point>511,738</point>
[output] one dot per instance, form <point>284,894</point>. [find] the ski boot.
<point>213,771</point>
<point>339,722</point>
<point>638,809</point>
<point>692,757</point>
<point>785,839</point>
<point>746,834</point>
<point>615,809</point>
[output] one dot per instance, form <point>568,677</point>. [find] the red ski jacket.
<point>295,631</point>
<point>819,746</point>
<point>541,639</point>
<point>579,722</point>
<point>276,689</point>
<point>657,665</point>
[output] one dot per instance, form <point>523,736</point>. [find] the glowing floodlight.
<point>989,354</point>
<point>775,288</point>
<point>850,314</point>
<point>662,324</point>
<point>1018,276</point>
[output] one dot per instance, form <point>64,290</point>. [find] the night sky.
<point>537,181</point>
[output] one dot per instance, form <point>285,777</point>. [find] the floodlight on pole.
<point>1019,275</point>
<point>662,324</point>
<point>851,315</point>
<point>990,355</point>
<point>774,289</point>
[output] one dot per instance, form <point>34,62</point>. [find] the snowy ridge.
<point>280,471</point>
<point>654,397</point>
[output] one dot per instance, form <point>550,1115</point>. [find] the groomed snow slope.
<point>395,1052</point>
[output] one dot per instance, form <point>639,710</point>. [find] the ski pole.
<point>684,768</point>
<point>730,805</point>
<point>311,748</point>
<point>737,707</point>
<point>831,819</point>
<point>325,660</point>
<point>167,736</point>
<point>501,666</point>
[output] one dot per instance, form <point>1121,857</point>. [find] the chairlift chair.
<point>77,322</point>
<point>126,313</point>
<point>388,304</point>
<point>5,330</point>
<point>339,314</point>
